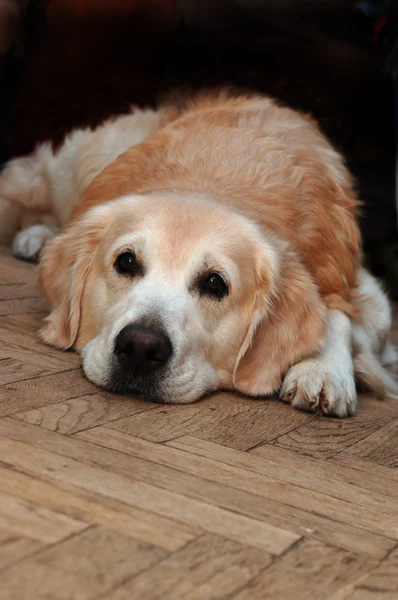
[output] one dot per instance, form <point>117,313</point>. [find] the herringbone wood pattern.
<point>110,497</point>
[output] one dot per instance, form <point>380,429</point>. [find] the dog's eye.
<point>214,285</point>
<point>126,264</point>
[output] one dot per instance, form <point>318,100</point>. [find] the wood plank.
<point>320,476</point>
<point>22,346</point>
<point>311,570</point>
<point>164,503</point>
<point>82,413</point>
<point>29,323</point>
<point>91,507</point>
<point>210,567</point>
<point>14,547</point>
<point>173,421</point>
<point>189,483</point>
<point>18,291</point>
<point>301,522</point>
<point>22,306</point>
<point>69,472</point>
<point>32,393</point>
<point>365,466</point>
<point>380,447</point>
<point>269,487</point>
<point>363,594</point>
<point>16,271</point>
<point>326,437</point>
<point>12,370</point>
<point>333,470</point>
<point>85,566</point>
<point>225,498</point>
<point>264,421</point>
<point>31,520</point>
<point>248,531</point>
<point>381,581</point>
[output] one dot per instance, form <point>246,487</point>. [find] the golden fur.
<point>268,162</point>
<point>239,183</point>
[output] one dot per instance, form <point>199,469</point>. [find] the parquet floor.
<point>110,497</point>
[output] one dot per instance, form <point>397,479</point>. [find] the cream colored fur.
<point>38,194</point>
<point>43,188</point>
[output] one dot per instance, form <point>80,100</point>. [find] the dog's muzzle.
<point>141,355</point>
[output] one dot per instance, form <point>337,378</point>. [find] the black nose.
<point>141,349</point>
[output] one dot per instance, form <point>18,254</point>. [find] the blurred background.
<point>73,63</point>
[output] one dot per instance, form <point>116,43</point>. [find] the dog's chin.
<point>160,387</point>
<point>181,383</point>
<point>149,388</point>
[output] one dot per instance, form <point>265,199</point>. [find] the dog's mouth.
<point>146,387</point>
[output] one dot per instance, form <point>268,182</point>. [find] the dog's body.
<point>223,252</point>
<point>44,187</point>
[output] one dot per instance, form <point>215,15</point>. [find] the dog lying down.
<point>221,251</point>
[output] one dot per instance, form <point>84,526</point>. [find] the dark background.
<point>73,63</point>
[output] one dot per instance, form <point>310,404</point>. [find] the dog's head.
<point>171,297</point>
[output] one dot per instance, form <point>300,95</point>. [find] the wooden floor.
<point>109,497</point>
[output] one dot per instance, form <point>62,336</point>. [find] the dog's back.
<point>268,162</point>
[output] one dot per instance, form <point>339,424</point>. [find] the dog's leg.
<point>23,191</point>
<point>372,347</point>
<point>375,310</point>
<point>325,383</point>
<point>29,242</point>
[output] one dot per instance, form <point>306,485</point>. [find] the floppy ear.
<point>284,330</point>
<point>64,266</point>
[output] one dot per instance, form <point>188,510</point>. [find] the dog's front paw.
<point>29,242</point>
<point>315,386</point>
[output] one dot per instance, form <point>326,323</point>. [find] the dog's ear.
<point>64,266</point>
<point>287,325</point>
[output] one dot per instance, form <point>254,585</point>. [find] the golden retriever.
<point>222,252</point>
